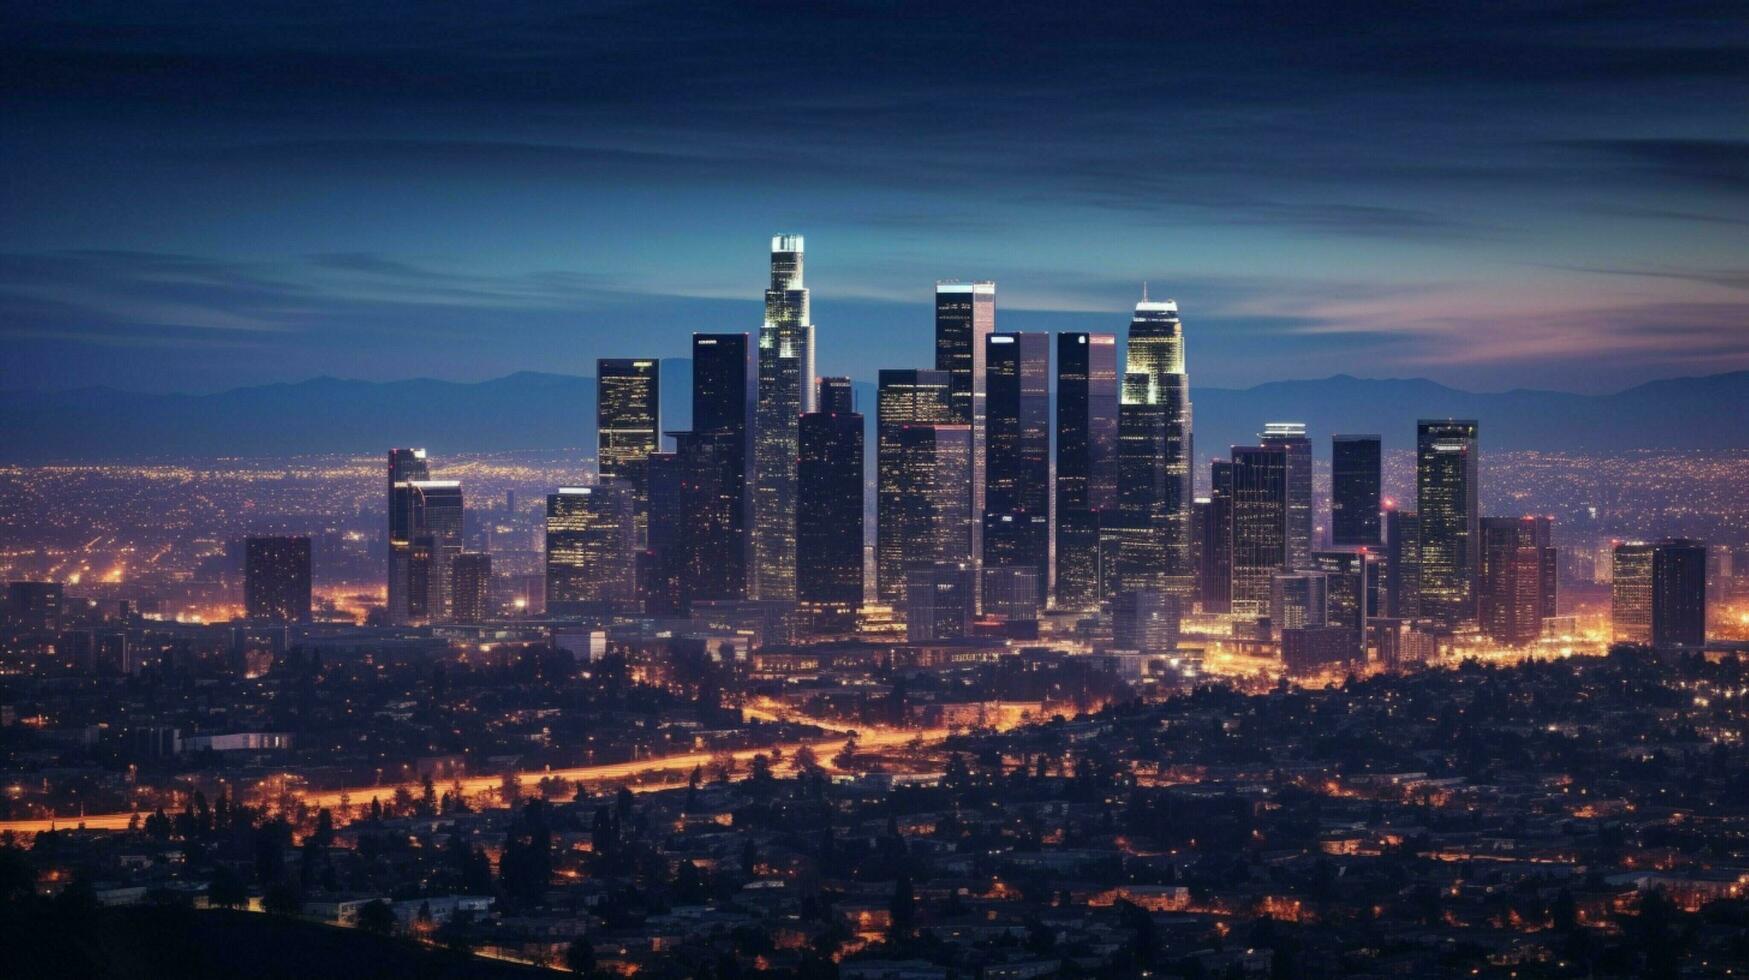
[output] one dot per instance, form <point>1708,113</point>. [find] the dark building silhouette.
<point>1290,438</point>
<point>1516,590</point>
<point>471,580</point>
<point>933,510</point>
<point>405,466</point>
<point>723,385</point>
<point>1145,621</point>
<point>1086,478</point>
<point>1356,476</point>
<point>34,605</point>
<point>276,579</point>
<point>1658,593</point>
<point>905,397</point>
<point>1259,525</point>
<point>785,394</point>
<point>628,426</point>
<point>834,396</point>
<point>590,551</point>
<point>965,313</point>
<point>829,515</point>
<point>1215,579</point>
<point>662,560</point>
<point>938,600</point>
<point>1017,463</point>
<point>1402,564</point>
<point>1447,458</point>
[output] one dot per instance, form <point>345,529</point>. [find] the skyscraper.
<point>935,520</point>
<point>1155,447</point>
<point>905,397</point>
<point>1216,575</point>
<point>1290,437</point>
<point>590,552</point>
<point>276,579</point>
<point>965,313</point>
<point>1350,587</point>
<point>436,535</point>
<point>1259,525</point>
<point>1298,600</point>
<point>471,578</point>
<point>834,396</point>
<point>34,605</point>
<point>1447,458</point>
<point>1086,460</point>
<point>829,514</point>
<point>710,543</point>
<point>1145,621</point>
<point>723,384</point>
<point>1658,593</point>
<point>1516,587</point>
<point>405,466</point>
<point>1017,462</point>
<point>938,600</point>
<point>785,393</point>
<point>628,426</point>
<point>1402,564</point>
<point>1355,480</point>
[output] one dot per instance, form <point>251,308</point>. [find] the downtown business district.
<point>1046,726</point>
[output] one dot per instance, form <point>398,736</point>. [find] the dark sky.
<point>197,196</point>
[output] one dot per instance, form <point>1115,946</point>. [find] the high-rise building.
<point>628,427</point>
<point>1017,444</point>
<point>712,538</point>
<point>1087,407</point>
<point>34,605</point>
<point>1145,621</point>
<point>938,600</point>
<point>934,512</point>
<point>1517,579</point>
<point>785,394</point>
<point>723,387</point>
<point>1215,579</point>
<point>965,313</point>
<point>1290,437</point>
<point>1447,459</point>
<point>1298,599</point>
<point>405,466</point>
<point>435,520</point>
<point>1011,593</point>
<point>1259,525</point>
<point>1350,586</point>
<point>829,514</point>
<point>1402,564</point>
<point>834,396</point>
<point>905,397</point>
<point>661,562</point>
<point>471,579</point>
<point>1356,476</point>
<point>590,553</point>
<point>1156,486</point>
<point>276,579</point>
<point>1658,593</point>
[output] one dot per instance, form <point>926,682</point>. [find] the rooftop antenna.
<point>1144,290</point>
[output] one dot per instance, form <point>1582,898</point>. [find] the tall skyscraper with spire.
<point>1156,448</point>
<point>785,393</point>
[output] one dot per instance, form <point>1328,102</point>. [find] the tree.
<point>226,889</point>
<point>282,898</point>
<point>510,789</point>
<point>377,918</point>
<point>846,756</point>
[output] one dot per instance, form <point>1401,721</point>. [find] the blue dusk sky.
<point>198,196</point>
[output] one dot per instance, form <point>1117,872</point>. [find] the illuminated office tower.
<point>34,605</point>
<point>785,393</point>
<point>590,551</point>
<point>1259,525</point>
<point>829,514</point>
<point>1402,564</point>
<point>405,466</point>
<point>1351,584</point>
<point>1658,593</point>
<point>1154,433</point>
<point>661,560</point>
<point>938,600</point>
<point>1516,585</point>
<point>935,464</point>
<point>1355,481</point>
<point>436,524</point>
<point>965,314</point>
<point>834,396</point>
<point>1290,437</point>
<point>1216,574</point>
<point>723,385</point>
<point>1017,462</point>
<point>1145,621</point>
<point>628,426</point>
<point>1447,457</point>
<point>471,579</point>
<point>1086,461</point>
<point>905,397</point>
<point>276,579</point>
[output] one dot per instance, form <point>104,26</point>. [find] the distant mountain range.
<point>533,411</point>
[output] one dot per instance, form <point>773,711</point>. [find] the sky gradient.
<point>1490,195</point>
